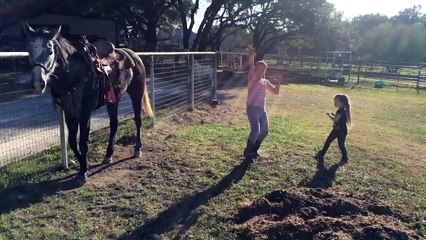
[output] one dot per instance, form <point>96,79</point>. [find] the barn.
<point>94,28</point>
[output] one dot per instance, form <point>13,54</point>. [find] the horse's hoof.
<point>81,179</point>
<point>137,154</point>
<point>107,160</point>
<point>72,163</point>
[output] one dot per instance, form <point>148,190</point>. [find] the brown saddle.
<point>107,61</point>
<point>110,56</point>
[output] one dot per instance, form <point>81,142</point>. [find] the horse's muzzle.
<point>38,86</point>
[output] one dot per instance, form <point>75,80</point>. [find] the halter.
<point>49,69</point>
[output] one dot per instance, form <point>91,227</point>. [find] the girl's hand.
<point>279,79</point>
<point>251,50</point>
<point>276,79</point>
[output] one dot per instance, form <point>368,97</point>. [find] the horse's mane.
<point>66,49</point>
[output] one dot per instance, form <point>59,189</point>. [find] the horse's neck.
<point>69,73</point>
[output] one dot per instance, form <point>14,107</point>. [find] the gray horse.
<point>83,78</point>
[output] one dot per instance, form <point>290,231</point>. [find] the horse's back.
<point>138,60</point>
<point>132,54</point>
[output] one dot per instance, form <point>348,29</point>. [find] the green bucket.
<point>379,84</point>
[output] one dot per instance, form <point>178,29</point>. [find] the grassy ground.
<point>190,181</point>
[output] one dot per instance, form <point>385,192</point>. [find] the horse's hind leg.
<point>137,109</point>
<point>113,125</point>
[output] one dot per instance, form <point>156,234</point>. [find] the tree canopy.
<point>287,26</point>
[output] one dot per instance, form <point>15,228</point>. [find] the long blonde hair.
<point>347,105</point>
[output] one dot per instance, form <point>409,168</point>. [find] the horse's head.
<point>42,49</point>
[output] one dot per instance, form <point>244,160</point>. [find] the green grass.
<point>185,171</point>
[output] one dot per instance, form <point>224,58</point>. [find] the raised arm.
<point>252,54</point>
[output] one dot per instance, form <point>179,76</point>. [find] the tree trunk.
<point>187,30</point>
<point>203,44</point>
<point>206,25</point>
<point>150,38</point>
<point>186,37</point>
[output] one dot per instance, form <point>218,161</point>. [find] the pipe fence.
<point>345,69</point>
<point>176,82</point>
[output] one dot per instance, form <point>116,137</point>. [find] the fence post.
<point>319,67</point>
<point>399,79</point>
<point>153,88</point>
<point>359,70</point>
<point>64,153</point>
<point>418,80</point>
<point>191,100</point>
<point>214,84</point>
<point>350,66</point>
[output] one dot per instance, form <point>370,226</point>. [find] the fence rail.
<point>177,81</point>
<point>322,68</point>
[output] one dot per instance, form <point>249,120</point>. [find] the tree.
<point>135,18</point>
<point>410,16</point>
<point>187,8</point>
<point>366,23</point>
<point>233,17</point>
<point>276,21</point>
<point>395,43</point>
<point>221,19</point>
<point>15,10</point>
<point>144,18</point>
<point>201,40</point>
<point>329,32</point>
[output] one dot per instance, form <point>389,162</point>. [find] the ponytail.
<point>348,115</point>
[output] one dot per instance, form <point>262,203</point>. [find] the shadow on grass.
<point>323,178</point>
<point>185,212</point>
<point>26,194</point>
<point>224,96</point>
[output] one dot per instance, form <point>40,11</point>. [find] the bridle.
<point>49,69</point>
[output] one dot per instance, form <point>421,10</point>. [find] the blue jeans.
<point>258,123</point>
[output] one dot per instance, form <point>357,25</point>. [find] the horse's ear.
<point>54,33</point>
<point>28,30</point>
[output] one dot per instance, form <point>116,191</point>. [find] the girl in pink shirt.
<point>256,103</point>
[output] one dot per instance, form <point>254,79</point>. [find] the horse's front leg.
<point>84,146</point>
<point>113,125</point>
<point>72,125</point>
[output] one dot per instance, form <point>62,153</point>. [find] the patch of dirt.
<point>125,167</point>
<point>203,114</point>
<point>301,213</point>
<point>106,179</point>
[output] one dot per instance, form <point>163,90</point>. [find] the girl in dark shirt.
<point>341,121</point>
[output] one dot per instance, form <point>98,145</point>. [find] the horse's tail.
<point>146,102</point>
